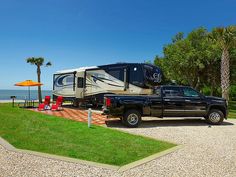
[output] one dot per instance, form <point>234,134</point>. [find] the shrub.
<point>232,93</point>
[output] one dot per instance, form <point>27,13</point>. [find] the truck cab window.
<point>188,92</point>
<point>172,92</point>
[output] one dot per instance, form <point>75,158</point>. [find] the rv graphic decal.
<point>95,84</point>
<point>95,78</point>
<point>64,80</point>
<point>104,80</point>
<point>153,74</point>
<point>156,77</point>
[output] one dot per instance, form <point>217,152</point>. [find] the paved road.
<point>207,151</point>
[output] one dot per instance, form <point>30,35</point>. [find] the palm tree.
<point>38,62</point>
<point>226,38</point>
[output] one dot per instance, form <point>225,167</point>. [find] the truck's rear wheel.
<point>132,118</point>
<point>215,117</point>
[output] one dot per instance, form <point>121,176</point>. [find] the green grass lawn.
<point>30,130</point>
<point>232,110</point>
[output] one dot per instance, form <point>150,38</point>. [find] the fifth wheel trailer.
<point>89,84</point>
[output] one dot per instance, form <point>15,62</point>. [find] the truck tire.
<point>132,118</point>
<point>215,117</point>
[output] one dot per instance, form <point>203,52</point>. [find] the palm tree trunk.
<point>225,74</point>
<point>39,87</point>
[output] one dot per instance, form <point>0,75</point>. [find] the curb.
<point>148,159</point>
<point>123,168</point>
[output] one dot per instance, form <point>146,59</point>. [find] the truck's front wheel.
<point>132,118</point>
<point>215,117</point>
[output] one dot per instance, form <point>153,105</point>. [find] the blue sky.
<point>74,33</point>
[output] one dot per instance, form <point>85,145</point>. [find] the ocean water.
<point>22,94</point>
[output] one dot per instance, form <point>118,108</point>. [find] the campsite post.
<point>13,100</point>
<point>89,117</point>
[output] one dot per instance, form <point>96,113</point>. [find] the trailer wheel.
<point>122,120</point>
<point>132,118</point>
<point>75,103</point>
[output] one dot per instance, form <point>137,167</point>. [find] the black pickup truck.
<point>166,101</point>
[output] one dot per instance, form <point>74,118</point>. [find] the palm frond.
<point>48,64</point>
<point>40,61</point>
<point>225,36</point>
<point>31,60</point>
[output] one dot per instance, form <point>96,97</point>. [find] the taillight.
<point>108,102</point>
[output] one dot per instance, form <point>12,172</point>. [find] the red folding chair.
<point>58,105</point>
<point>44,105</point>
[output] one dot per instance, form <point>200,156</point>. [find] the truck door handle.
<point>188,100</point>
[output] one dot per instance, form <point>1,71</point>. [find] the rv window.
<point>136,76</point>
<point>80,83</point>
<point>117,73</point>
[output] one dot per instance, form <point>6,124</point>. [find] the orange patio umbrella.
<point>28,83</point>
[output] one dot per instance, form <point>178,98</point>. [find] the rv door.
<point>79,85</point>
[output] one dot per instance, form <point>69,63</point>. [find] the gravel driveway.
<point>206,151</point>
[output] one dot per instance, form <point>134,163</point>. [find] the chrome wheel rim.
<point>132,119</point>
<point>214,117</point>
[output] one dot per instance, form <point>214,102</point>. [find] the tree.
<point>192,60</point>
<point>38,62</point>
<point>188,60</point>
<point>179,36</point>
<point>232,54</point>
<point>226,38</point>
<point>161,62</point>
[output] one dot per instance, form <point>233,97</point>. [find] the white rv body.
<point>108,84</point>
<point>90,82</point>
<point>67,87</point>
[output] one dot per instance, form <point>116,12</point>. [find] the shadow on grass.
<point>167,123</point>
